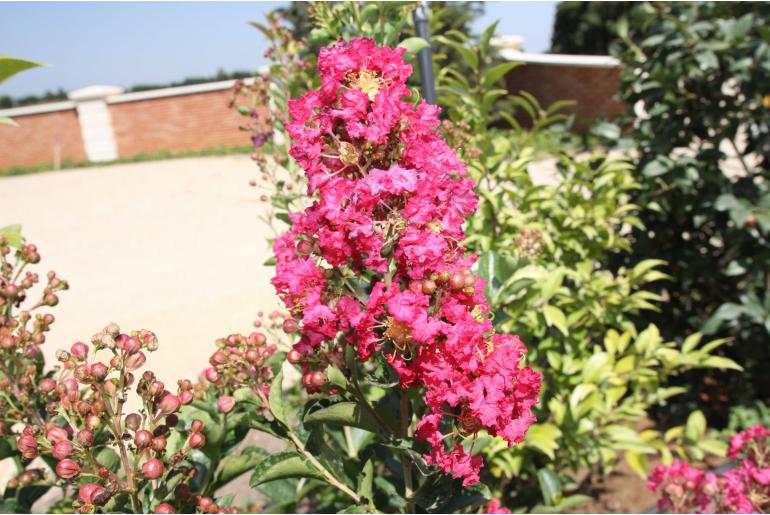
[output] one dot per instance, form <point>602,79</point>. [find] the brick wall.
<point>594,89</point>
<point>35,140</point>
<point>186,122</point>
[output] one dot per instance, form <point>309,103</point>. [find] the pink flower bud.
<point>47,385</point>
<point>152,469</point>
<point>85,437</point>
<point>212,375</point>
<point>197,440</point>
<point>169,403</point>
<point>218,358</point>
<point>131,345</point>
<point>196,426</point>
<point>63,449</point>
<point>159,444</point>
<point>317,378</point>
<point>56,434</point>
<point>89,492</point>
<point>99,371</point>
<point>225,404</point>
<point>164,508</point>
<point>67,469</point>
<point>27,446</point>
<point>294,357</point>
<point>83,374</point>
<point>142,439</point>
<point>136,360</point>
<point>156,388</point>
<point>290,326</point>
<point>79,350</point>
<point>185,397</point>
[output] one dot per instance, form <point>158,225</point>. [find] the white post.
<point>96,122</point>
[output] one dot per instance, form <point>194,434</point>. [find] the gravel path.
<point>173,246</point>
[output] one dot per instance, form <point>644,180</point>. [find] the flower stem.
<point>405,464</point>
<point>328,477</point>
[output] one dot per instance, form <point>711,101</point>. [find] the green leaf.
<point>109,458</point>
<point>336,377</point>
<point>12,234</point>
<point>414,45</point>
<point>695,427</point>
<point>10,66</point>
<point>721,362</point>
<point>494,74</point>
<point>367,479</point>
<point>555,317</point>
<point>345,414</point>
<point>543,437</point>
<point>275,398</point>
<point>550,486</point>
<point>713,446</point>
<point>234,466</point>
<point>4,120</point>
<point>246,394</point>
<point>637,462</point>
<point>596,367</point>
<point>282,466</point>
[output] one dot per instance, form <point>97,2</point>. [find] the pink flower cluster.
<point>376,261</point>
<point>743,489</point>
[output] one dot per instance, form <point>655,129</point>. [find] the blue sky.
<point>152,42</point>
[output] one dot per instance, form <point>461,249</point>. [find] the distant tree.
<point>588,27</point>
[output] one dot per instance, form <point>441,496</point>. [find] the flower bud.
<point>133,421</point>
<point>47,385</point>
<point>63,449</point>
<point>83,374</point>
<point>164,508</point>
<point>131,345</point>
<point>152,469</point>
<point>290,326</point>
<point>169,403</point>
<point>159,444</point>
<point>197,440</point>
<point>218,358</point>
<point>85,437</point>
<point>79,350</point>
<point>317,378</point>
<point>457,281</point>
<point>156,388</point>
<point>185,397</point>
<point>27,446</point>
<point>88,492</point>
<point>112,329</point>
<point>211,375</point>
<point>142,439</point>
<point>294,356</point>
<point>226,404</point>
<point>196,426</point>
<point>99,371</point>
<point>56,434</point>
<point>136,360</point>
<point>67,469</point>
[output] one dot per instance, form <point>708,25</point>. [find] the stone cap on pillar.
<point>95,92</point>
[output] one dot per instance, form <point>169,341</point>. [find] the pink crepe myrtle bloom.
<point>377,256</point>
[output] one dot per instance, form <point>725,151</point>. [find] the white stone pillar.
<point>96,122</point>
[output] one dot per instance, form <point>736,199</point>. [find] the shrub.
<point>700,72</point>
<point>544,251</point>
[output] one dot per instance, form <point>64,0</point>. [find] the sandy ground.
<point>172,246</point>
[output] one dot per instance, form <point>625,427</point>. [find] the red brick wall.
<point>33,142</point>
<point>186,122</point>
<point>594,89</point>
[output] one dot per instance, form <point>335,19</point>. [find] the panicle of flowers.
<point>742,489</point>
<point>22,331</point>
<point>239,362</point>
<point>376,261</point>
<point>85,408</point>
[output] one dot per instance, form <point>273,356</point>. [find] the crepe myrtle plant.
<point>741,488</point>
<point>393,332</point>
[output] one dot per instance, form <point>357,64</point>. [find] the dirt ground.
<point>172,246</point>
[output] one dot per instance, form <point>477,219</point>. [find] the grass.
<point>155,156</point>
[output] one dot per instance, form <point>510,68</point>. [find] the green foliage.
<point>588,27</point>
<point>544,244</point>
<point>698,74</point>
<point>10,66</point>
